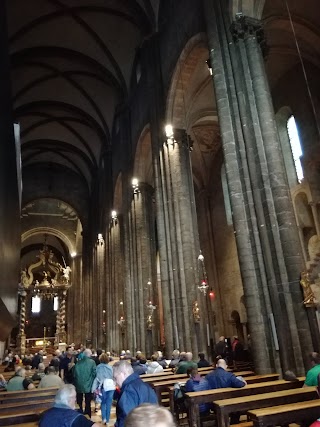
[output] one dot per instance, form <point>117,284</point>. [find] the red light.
<point>211,294</point>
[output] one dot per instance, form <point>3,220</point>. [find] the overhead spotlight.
<point>135,185</point>
<point>100,239</point>
<point>169,131</point>
<point>208,62</point>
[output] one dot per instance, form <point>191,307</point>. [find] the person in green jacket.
<point>84,375</point>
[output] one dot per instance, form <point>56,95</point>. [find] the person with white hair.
<point>133,392</point>
<point>151,415</point>
<point>19,381</point>
<point>84,375</point>
<point>63,412</point>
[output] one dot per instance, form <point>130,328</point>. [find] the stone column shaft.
<point>231,135</point>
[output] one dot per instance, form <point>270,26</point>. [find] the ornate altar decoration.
<point>45,279</point>
<point>150,323</point>
<point>196,312</point>
<point>308,295</point>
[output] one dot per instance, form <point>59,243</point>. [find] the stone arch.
<point>195,51</point>
<point>142,168</point>
<point>237,326</point>
<point>53,232</point>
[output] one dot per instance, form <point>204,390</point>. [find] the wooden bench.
<point>23,416</point>
<point>193,399</point>
<point>27,395</point>
<point>305,412</point>
<point>161,387</point>
<point>255,379</point>
<point>223,408</point>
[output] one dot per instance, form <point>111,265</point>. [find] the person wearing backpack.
<point>103,387</point>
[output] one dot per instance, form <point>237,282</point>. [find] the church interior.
<point>160,176</point>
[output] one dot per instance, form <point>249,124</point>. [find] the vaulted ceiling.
<point>72,63</point>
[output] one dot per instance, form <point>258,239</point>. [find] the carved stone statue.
<point>151,309</point>
<point>308,295</point>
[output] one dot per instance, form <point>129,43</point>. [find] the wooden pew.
<point>305,412</point>
<point>20,417</point>
<point>27,395</point>
<point>164,386</point>
<point>26,404</point>
<point>223,408</point>
<point>193,399</point>
<point>255,379</point>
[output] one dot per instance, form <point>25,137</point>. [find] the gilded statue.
<point>196,312</point>
<point>308,295</point>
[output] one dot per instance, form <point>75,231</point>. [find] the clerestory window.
<point>295,146</point>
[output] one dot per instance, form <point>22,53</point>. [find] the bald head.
<point>222,364</point>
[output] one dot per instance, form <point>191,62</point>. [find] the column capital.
<point>181,137</point>
<point>245,27</point>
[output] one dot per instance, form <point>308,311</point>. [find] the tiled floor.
<point>96,416</point>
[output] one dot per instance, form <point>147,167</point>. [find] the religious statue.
<point>196,312</point>
<point>308,295</point>
<point>66,272</point>
<point>151,309</point>
<point>121,323</point>
<point>24,281</point>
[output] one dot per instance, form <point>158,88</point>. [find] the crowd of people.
<point>84,375</point>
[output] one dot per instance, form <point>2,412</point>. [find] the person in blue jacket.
<point>221,378</point>
<point>63,412</point>
<point>133,392</point>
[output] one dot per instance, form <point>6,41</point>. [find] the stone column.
<point>155,88</point>
<point>266,234</point>
<point>279,220</point>
<point>184,238</point>
<point>244,216</point>
<point>100,290</point>
<point>143,218</point>
<point>21,338</point>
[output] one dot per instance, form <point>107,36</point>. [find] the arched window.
<point>36,304</point>
<point>295,146</point>
<point>55,303</point>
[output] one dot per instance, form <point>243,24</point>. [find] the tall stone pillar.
<point>184,240</point>
<point>100,290</point>
<point>266,234</point>
<point>244,219</point>
<point>145,255</point>
<point>177,229</point>
<point>116,326</point>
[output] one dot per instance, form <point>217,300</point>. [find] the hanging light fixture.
<point>203,287</point>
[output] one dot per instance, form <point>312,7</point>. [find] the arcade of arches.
<point>191,99</point>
